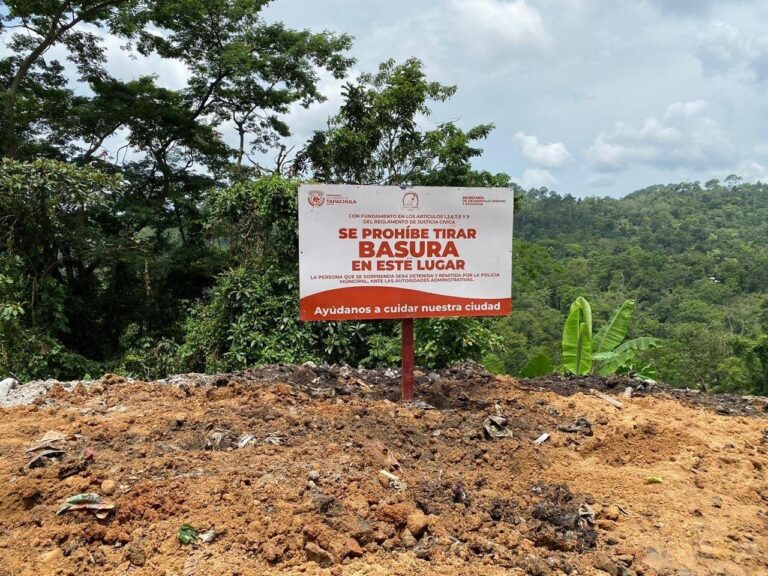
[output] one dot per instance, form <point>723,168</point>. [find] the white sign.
<point>375,252</point>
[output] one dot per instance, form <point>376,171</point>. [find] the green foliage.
<point>259,220</point>
<point>443,341</point>
<point>607,352</point>
<point>251,318</point>
<point>539,365</point>
<point>52,216</point>
<point>613,332</point>
<point>109,273</point>
<point>612,353</point>
<point>757,366</point>
<point>577,339</point>
<point>623,356</point>
<point>689,255</point>
<point>187,534</point>
<point>375,138</point>
<point>147,358</point>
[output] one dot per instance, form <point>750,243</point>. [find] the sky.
<point>589,97</point>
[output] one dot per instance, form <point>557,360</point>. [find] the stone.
<point>316,554</point>
<point>351,549</point>
<point>274,550</point>
<point>136,555</point>
<point>406,537</point>
<point>389,544</point>
<point>611,513</point>
<point>417,523</point>
<point>362,531</point>
<point>602,562</point>
<point>108,487</point>
<point>6,386</point>
<point>396,514</point>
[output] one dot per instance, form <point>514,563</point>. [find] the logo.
<point>316,198</point>
<point>410,200</point>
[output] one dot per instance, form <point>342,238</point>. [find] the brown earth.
<point>306,493</point>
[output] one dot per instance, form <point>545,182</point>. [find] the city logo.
<point>410,200</point>
<point>316,198</point>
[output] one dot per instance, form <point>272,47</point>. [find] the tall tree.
<point>167,145</point>
<point>47,24</point>
<point>376,137</point>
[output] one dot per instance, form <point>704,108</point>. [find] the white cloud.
<point>303,121</point>
<point>554,155</point>
<point>688,7</point>
<point>685,137</point>
<point>536,178</point>
<point>498,23</point>
<point>753,171</point>
<point>724,50</point>
<point>601,181</point>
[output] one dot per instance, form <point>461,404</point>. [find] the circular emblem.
<point>316,198</point>
<point>410,200</point>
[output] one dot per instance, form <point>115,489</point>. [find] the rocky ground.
<point>319,470</point>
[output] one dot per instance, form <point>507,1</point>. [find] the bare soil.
<point>319,470</point>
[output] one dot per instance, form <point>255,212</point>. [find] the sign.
<point>385,252</point>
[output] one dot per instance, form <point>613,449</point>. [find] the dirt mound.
<point>317,470</point>
<point>725,404</point>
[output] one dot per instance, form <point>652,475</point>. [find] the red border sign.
<point>377,252</point>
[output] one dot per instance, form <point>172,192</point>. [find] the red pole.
<point>407,379</point>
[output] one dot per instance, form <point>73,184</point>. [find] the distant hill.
<point>695,257</point>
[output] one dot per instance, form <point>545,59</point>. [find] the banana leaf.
<point>577,339</point>
<point>609,362</point>
<point>613,332</point>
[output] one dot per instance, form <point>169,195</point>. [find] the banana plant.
<point>612,354</point>
<point>577,338</point>
<point>606,353</point>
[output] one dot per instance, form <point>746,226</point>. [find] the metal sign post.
<point>407,383</point>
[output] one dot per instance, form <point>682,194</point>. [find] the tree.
<point>757,364</point>
<point>173,157</point>
<point>376,139</point>
<point>242,69</point>
<point>55,218</point>
<point>46,24</point>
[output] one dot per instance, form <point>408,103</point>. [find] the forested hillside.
<point>693,257</point>
<point>149,230</point>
